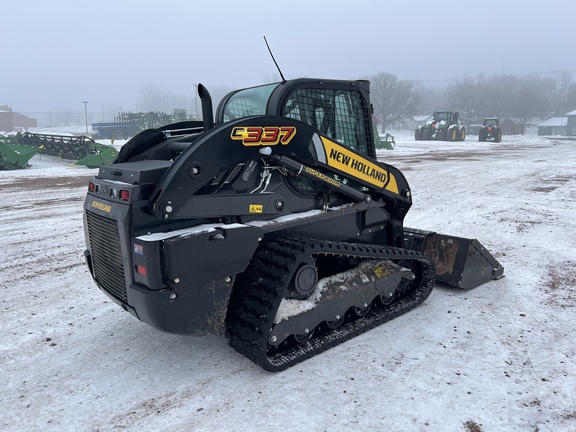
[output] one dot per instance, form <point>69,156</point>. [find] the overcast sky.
<point>57,53</point>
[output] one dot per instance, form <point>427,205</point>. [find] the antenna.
<point>272,55</point>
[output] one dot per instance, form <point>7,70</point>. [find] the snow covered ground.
<point>500,357</point>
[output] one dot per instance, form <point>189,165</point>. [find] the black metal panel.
<point>200,268</point>
<point>141,172</point>
<point>211,255</point>
<point>197,311</point>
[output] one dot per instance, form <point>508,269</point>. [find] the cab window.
<point>338,114</point>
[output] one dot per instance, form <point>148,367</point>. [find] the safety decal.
<point>256,208</point>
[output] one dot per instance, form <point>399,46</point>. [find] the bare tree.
<point>531,101</point>
<point>499,94</point>
<point>559,94</point>
<point>153,98</point>
<point>394,100</point>
<point>522,99</point>
<point>467,95</point>
<point>571,98</point>
<point>430,99</point>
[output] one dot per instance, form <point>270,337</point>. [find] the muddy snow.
<point>496,358</point>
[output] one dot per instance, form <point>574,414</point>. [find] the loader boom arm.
<point>305,153</point>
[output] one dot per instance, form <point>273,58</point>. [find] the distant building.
<point>553,126</point>
<point>564,126</point>
<point>571,123</point>
<point>6,121</point>
<point>510,126</point>
<point>11,121</point>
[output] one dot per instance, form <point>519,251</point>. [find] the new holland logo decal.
<point>101,206</point>
<point>356,166</point>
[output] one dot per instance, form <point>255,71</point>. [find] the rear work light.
<point>124,195</point>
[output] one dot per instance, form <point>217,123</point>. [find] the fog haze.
<point>59,53</point>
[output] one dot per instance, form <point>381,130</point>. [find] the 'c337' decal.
<point>101,206</point>
<point>268,135</point>
<point>356,166</point>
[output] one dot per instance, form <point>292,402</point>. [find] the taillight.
<point>141,269</point>
<point>91,187</point>
<point>124,195</point>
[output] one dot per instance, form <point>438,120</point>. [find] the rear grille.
<point>107,255</point>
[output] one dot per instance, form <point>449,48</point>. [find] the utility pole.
<point>86,114</point>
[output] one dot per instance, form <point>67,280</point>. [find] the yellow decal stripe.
<point>356,166</point>
<point>392,186</point>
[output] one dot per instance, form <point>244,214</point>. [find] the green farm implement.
<point>82,148</point>
<point>14,155</point>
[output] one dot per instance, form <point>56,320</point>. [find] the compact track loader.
<point>272,223</point>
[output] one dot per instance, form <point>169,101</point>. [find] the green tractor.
<point>490,130</point>
<point>444,126</point>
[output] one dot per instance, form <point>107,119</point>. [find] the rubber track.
<point>260,289</point>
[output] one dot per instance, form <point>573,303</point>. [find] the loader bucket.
<point>104,157</point>
<point>460,262</point>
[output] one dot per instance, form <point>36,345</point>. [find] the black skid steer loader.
<point>271,223</point>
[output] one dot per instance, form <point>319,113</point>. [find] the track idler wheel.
<point>387,299</point>
<point>304,337</point>
<point>337,322</point>
<point>304,282</point>
<point>364,310</point>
